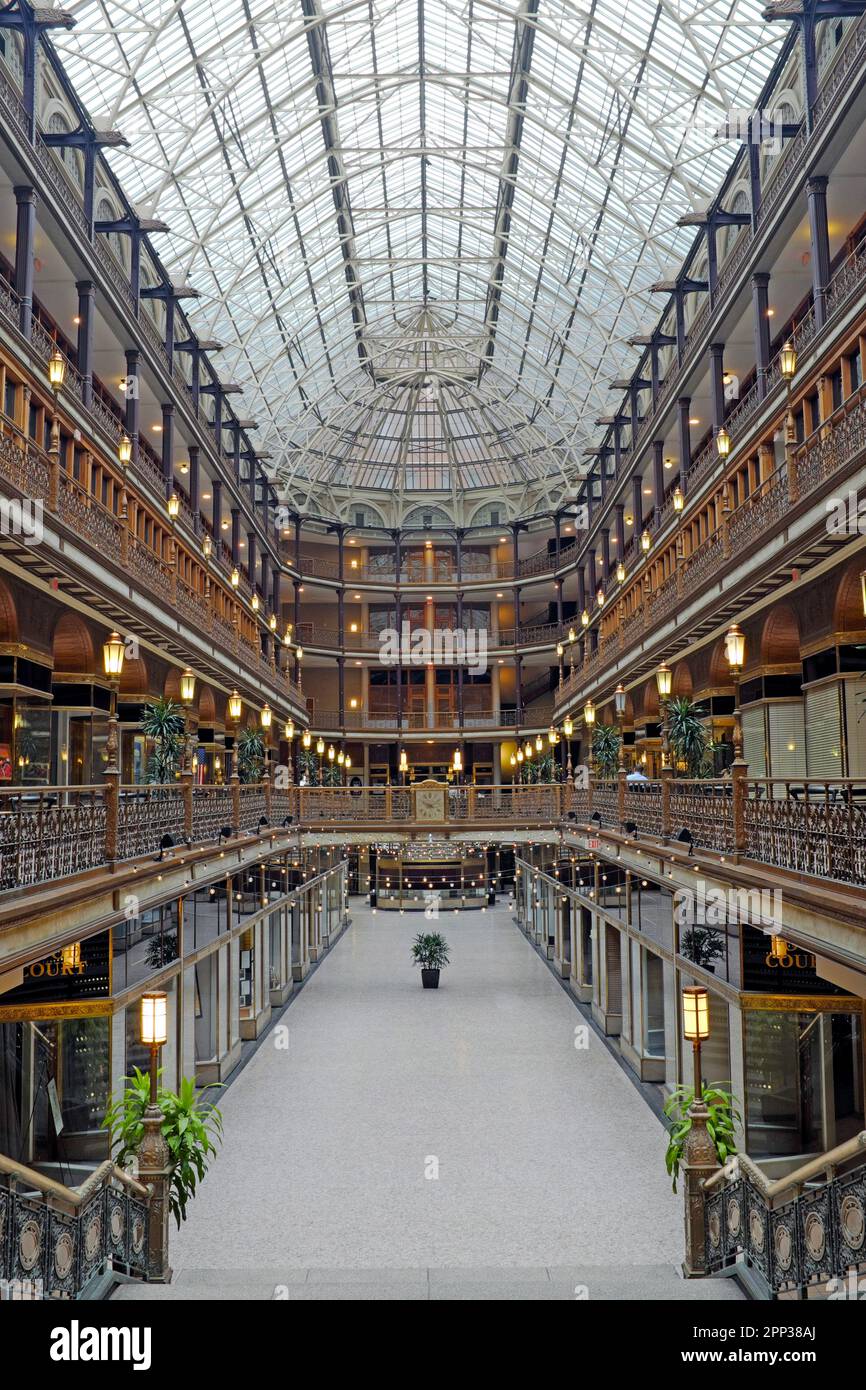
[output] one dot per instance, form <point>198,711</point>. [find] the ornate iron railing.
<point>145,815</point>
<point>810,827</point>
<point>56,1242</point>
<point>50,832</point>
<point>804,1239</point>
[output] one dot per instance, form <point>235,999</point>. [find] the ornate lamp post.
<point>187,695</point>
<point>567,731</point>
<point>735,651</point>
<point>699,1151</point>
<point>664,680</point>
<point>112,659</point>
<point>589,722</point>
<point>154,1166</point>
<point>696,1027</point>
<point>619,699</point>
<point>289,735</point>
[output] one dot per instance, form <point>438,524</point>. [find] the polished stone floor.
<point>411,1143</point>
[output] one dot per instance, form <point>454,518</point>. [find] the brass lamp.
<point>235,577</point>
<point>735,647</point>
<point>173,505</point>
<point>646,541</point>
<point>187,687</point>
<point>696,1026</point>
<point>584,618</point>
<point>320,746</point>
<point>235,706</point>
<point>664,678</point>
<point>678,499</point>
<point>788,360</point>
<point>723,442</point>
<point>539,743</point>
<point>307,738</point>
<point>266,717</point>
<point>599,598</point>
<point>254,603</point>
<point>124,450</point>
<point>112,655</point>
<point>154,1031</point>
<point>207,547</point>
<point>620,572</point>
<point>619,698</point>
<point>589,713</point>
<point>56,369</point>
<point>568,726</point>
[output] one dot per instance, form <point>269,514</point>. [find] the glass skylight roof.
<point>423,231</point>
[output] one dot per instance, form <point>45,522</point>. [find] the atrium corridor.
<point>551,1179</point>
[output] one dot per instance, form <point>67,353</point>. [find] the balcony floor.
<point>551,1169</point>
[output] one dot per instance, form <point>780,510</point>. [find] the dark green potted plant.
<point>721,1125</point>
<point>688,736</point>
<point>250,751</point>
<point>162,722</point>
<point>606,745</point>
<point>192,1128</point>
<point>702,946</point>
<point>430,951</point>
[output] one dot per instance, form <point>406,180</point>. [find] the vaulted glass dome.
<point>423,230</point>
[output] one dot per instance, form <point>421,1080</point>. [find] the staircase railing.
<point>59,1242</point>
<point>803,1238</point>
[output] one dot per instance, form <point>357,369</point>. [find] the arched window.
<point>58,125</point>
<point>106,212</point>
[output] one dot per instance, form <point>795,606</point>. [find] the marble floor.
<point>395,1142</point>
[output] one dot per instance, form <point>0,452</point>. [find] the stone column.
<point>816,192</point>
<point>760,305</point>
<point>86,306</point>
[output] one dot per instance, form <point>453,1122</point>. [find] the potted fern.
<point>606,746</point>
<point>721,1125</point>
<point>192,1127</point>
<point>430,951</point>
<point>162,723</point>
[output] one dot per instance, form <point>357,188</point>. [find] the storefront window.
<point>54,1078</point>
<point>804,1080</point>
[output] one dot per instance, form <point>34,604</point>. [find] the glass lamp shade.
<point>788,360</point>
<point>589,712</point>
<point>112,654</point>
<point>320,746</point>
<point>124,449</point>
<point>696,1013</point>
<point>552,736</point>
<point>723,442</point>
<point>254,603</point>
<point>458,760</point>
<point>679,499</point>
<point>307,738</point>
<point>348,762</point>
<point>332,752</point>
<point>513,759</point>
<point>619,700</point>
<point>568,727</point>
<point>236,577</point>
<point>520,755</point>
<point>735,647</point>
<point>599,598</point>
<point>299,653</point>
<point>56,369</point>
<point>154,1019</point>
<point>187,687</point>
<point>341,757</point>
<point>584,618</point>
<point>527,749</point>
<point>207,547</point>
<point>266,717</point>
<point>539,743</point>
<point>664,677</point>
<point>235,706</point>
<point>289,730</point>
<point>620,572</point>
<point>646,541</point>
<point>572,635</point>
<point>272,622</point>
<point>404,762</point>
<point>173,505</point>
<point>560,649</point>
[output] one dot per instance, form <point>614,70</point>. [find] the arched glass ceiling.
<point>460,203</point>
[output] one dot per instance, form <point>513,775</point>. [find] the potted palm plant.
<point>162,723</point>
<point>430,951</point>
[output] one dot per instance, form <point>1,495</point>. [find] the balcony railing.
<point>837,443</point>
<point>58,1242</point>
<point>432,805</point>
<point>815,827</point>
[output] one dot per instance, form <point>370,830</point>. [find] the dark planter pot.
<point>430,979</point>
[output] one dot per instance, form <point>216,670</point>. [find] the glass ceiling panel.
<point>423,229</point>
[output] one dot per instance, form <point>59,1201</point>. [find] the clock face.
<point>428,802</point>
